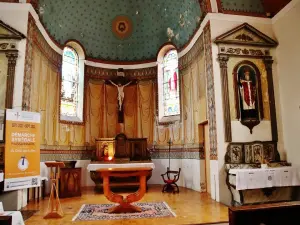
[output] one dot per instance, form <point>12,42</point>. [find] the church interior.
<point>149,112</point>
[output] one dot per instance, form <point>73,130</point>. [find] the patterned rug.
<point>99,212</point>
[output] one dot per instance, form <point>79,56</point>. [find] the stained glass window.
<point>70,83</point>
<point>171,99</point>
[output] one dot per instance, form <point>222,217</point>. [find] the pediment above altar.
<point>7,32</point>
<point>246,34</point>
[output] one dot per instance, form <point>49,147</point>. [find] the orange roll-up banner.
<point>22,150</point>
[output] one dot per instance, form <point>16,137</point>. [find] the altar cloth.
<point>96,166</point>
<point>265,178</point>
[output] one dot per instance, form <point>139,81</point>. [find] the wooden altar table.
<point>124,203</point>
<point>118,182</point>
<point>102,165</point>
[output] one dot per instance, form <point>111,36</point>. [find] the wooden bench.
<point>284,213</point>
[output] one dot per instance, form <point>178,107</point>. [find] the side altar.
<point>120,153</point>
<point>255,174</point>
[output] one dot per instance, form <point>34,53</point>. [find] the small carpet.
<point>100,212</point>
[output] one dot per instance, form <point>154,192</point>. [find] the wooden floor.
<point>191,207</point>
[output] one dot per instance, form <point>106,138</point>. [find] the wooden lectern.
<point>54,198</point>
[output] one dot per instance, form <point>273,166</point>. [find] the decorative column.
<point>223,59</point>
<point>268,64</point>
<point>12,60</point>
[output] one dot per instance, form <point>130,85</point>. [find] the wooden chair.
<point>170,183</point>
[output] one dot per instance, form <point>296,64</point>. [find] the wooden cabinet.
<point>138,149</point>
<point>121,147</point>
<point>70,182</point>
<point>285,213</point>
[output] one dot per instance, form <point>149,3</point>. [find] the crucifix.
<point>120,92</point>
<point>120,82</point>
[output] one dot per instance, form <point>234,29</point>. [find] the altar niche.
<point>120,83</point>
<point>248,94</point>
<point>248,51</point>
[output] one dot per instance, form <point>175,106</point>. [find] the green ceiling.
<point>90,22</point>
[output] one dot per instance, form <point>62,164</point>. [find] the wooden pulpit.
<point>54,207</point>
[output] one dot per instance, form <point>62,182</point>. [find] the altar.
<point>249,186</point>
<point>117,153</point>
<point>118,182</point>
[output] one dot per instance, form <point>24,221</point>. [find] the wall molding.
<point>178,153</point>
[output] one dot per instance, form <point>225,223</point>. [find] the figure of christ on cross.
<point>120,92</point>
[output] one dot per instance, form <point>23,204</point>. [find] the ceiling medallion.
<point>122,27</point>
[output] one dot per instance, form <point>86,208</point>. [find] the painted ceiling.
<point>152,23</point>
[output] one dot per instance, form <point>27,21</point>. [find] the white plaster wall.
<point>16,16</point>
<point>214,180</point>
<point>190,172</point>
<point>241,133</point>
<point>287,31</point>
<point>221,23</point>
<point>214,6</point>
<point>85,174</point>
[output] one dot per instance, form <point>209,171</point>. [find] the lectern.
<point>54,207</point>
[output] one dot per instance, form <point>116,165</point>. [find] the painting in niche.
<point>269,154</point>
<point>248,94</point>
<point>248,154</point>
<point>257,154</point>
<point>171,84</point>
<point>236,154</point>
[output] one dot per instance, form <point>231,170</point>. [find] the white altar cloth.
<point>16,219</point>
<point>264,178</point>
<point>94,167</point>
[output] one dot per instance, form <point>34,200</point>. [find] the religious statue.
<point>248,91</point>
<point>247,80</point>
<point>248,94</point>
<point>120,92</point>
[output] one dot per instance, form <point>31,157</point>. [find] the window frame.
<point>161,118</point>
<point>78,119</point>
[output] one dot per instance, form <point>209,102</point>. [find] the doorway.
<point>204,140</point>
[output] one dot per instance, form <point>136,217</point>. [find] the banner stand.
<point>22,150</point>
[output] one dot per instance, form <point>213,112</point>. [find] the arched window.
<point>168,86</point>
<point>72,83</point>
